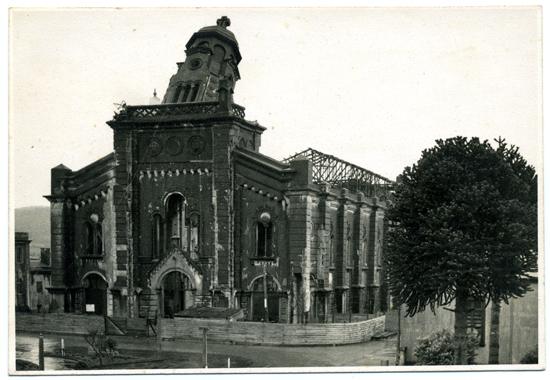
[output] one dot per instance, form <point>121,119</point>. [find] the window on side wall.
<point>264,236</point>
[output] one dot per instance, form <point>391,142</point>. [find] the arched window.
<point>175,220</point>
<point>182,228</point>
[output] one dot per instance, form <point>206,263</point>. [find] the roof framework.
<point>342,174</point>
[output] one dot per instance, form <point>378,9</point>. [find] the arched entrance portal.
<point>177,293</point>
<point>95,293</point>
<point>262,298</point>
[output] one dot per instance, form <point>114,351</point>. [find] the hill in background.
<point>36,221</point>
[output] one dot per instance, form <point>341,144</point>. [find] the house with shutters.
<point>186,212</point>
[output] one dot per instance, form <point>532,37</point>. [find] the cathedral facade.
<point>186,212</point>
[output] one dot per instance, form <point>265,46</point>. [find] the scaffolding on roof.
<point>342,174</point>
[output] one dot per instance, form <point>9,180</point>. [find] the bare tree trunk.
<point>461,330</point>
<point>494,337</point>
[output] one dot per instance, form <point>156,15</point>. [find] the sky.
<point>372,86</point>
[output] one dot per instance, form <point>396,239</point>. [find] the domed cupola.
<point>212,55</point>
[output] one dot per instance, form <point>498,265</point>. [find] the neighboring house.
<point>32,277</point>
<point>40,281</point>
<point>187,212</point>
<point>518,327</point>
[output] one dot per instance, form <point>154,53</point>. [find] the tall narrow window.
<point>186,93</point>
<point>98,240</point>
<point>19,255</point>
<point>93,236</point>
<point>177,94</point>
<point>175,221</point>
<point>195,92</point>
<point>331,246</point>
<point>264,236</point>
<point>157,236</point>
<point>89,232</point>
<point>194,229</point>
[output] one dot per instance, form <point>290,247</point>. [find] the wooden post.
<point>265,296</point>
<point>205,346</point>
<point>159,333</point>
<point>41,353</point>
<point>349,294</point>
<point>399,335</point>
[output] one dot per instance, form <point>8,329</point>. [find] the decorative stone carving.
<point>154,147</point>
<point>196,145</point>
<point>174,146</point>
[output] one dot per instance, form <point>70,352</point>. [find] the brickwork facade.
<point>187,212</point>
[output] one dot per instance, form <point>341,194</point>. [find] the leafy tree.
<point>464,226</point>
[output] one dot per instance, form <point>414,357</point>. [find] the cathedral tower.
<point>212,55</point>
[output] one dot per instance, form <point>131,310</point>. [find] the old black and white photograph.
<point>253,190</point>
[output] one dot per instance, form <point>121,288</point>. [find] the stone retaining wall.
<point>270,333</point>
<point>74,324</point>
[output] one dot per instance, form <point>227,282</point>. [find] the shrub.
<point>438,349</point>
<point>101,345</point>
<point>532,357</point>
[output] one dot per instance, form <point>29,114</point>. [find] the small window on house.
<point>45,254</point>
<point>39,288</point>
<point>19,255</point>
<point>264,236</point>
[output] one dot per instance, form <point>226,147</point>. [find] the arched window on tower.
<point>175,221</point>
<point>181,227</point>
<point>186,93</point>
<point>177,94</point>
<point>196,88</point>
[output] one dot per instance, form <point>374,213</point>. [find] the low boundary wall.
<point>73,324</point>
<point>270,333</point>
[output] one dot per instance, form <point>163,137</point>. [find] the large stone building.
<point>187,212</point>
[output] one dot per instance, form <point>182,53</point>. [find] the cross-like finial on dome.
<point>224,22</point>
